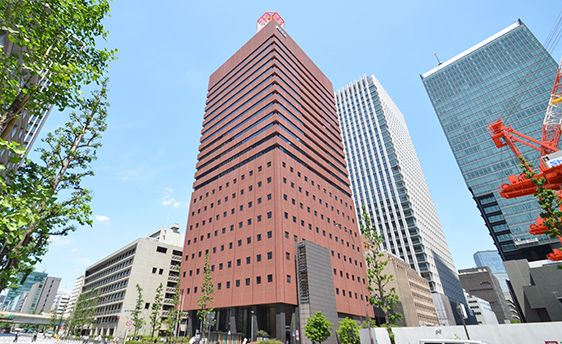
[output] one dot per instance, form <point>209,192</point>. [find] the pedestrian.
<point>16,338</point>
<point>34,339</point>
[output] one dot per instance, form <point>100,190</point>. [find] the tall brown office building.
<point>271,194</point>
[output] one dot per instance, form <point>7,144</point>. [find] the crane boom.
<point>551,129</point>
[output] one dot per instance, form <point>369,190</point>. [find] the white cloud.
<point>102,218</point>
<point>168,190</point>
<point>170,201</point>
<point>73,249</point>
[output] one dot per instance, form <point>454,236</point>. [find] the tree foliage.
<point>380,295</point>
<point>550,202</point>
<point>44,199</point>
<point>206,297</point>
<point>155,317</point>
<point>175,312</point>
<point>53,55</point>
<point>82,317</point>
<point>548,199</point>
<point>348,332</point>
<point>136,318</point>
<point>317,328</point>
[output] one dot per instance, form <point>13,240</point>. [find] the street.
<point>6,338</point>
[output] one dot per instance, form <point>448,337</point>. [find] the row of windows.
<point>222,247</point>
<point>237,283</point>
<point>110,262</point>
<point>349,293</point>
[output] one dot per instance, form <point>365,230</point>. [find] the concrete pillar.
<point>254,324</point>
<point>232,320</point>
<point>280,322</point>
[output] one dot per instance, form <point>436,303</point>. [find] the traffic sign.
<point>128,323</point>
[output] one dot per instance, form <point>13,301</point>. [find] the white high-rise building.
<point>76,290</point>
<point>387,179</point>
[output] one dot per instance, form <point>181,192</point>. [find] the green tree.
<point>136,318</point>
<point>172,319</point>
<point>317,328</point>
<point>549,201</point>
<point>380,295</point>
<point>46,199</point>
<point>155,317</point>
<point>54,54</point>
<point>207,293</point>
<point>348,331</point>
<point>82,317</point>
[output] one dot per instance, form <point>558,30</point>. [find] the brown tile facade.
<point>271,173</point>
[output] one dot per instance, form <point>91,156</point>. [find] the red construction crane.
<point>551,158</point>
<point>550,167</point>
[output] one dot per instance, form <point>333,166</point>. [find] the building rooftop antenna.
<point>438,61</point>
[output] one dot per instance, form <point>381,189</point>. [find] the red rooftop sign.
<point>267,17</point>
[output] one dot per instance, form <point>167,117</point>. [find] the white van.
<point>451,341</point>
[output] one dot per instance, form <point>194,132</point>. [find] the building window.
<point>269,234</point>
<point>269,197</point>
<point>268,180</point>
<point>259,200</point>
<point>258,258</point>
<point>237,283</point>
<point>161,249</point>
<point>248,260</point>
<point>269,278</point>
<point>247,281</point>
<point>259,218</point>
<point>269,214</point>
<point>288,278</point>
<point>219,286</point>
<point>258,279</point>
<point>287,255</point>
<point>269,255</point>
<point>238,262</point>
<point>155,269</point>
<point>228,285</point>
<point>258,237</point>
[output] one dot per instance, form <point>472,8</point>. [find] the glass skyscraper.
<point>509,76</point>
<point>387,179</point>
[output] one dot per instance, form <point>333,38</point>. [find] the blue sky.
<point>167,51</point>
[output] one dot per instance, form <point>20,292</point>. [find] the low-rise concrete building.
<point>482,310</point>
<point>482,283</point>
<point>148,262</point>
<point>416,301</point>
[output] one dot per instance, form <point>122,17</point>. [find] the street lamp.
<point>362,286</point>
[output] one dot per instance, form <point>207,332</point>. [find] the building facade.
<point>76,291</point>
<point>15,297</point>
<point>509,76</point>
<point>60,304</point>
<point>148,262</point>
<point>26,128</point>
<point>271,174</point>
<point>536,289</point>
<point>493,260</point>
<point>482,283</point>
<point>416,301</point>
<point>482,310</point>
<point>41,296</point>
<point>387,179</point>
